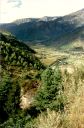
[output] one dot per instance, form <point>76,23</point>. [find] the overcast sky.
<point>11,10</point>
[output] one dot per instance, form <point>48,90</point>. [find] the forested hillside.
<point>20,71</point>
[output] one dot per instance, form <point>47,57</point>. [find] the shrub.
<point>5,85</point>
<point>9,97</point>
<point>49,95</point>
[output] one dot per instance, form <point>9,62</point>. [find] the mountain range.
<point>56,31</point>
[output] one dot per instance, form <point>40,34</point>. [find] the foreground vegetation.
<point>48,114</point>
<point>35,96</point>
<point>73,116</point>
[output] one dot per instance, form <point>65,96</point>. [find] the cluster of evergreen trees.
<point>50,94</point>
<point>19,57</point>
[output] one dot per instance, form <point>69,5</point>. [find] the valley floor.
<point>53,56</point>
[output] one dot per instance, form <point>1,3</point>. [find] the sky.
<point>11,10</point>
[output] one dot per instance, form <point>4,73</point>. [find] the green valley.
<point>42,72</point>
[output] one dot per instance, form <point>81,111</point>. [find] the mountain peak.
<point>47,18</point>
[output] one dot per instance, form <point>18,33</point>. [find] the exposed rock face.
<point>27,98</point>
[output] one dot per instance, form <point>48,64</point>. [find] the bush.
<point>5,85</point>
<point>13,99</point>
<point>49,95</point>
<point>22,120</point>
<point>9,97</point>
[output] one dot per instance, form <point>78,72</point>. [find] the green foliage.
<point>21,120</point>
<point>9,97</point>
<point>49,95</point>
<point>17,55</point>
<point>13,99</point>
<point>18,122</point>
<point>19,66</point>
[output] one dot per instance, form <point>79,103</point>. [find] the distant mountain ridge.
<point>25,20</point>
<point>48,30</point>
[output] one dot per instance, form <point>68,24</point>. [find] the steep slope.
<point>17,53</point>
<point>68,40</point>
<point>20,63</point>
<point>47,30</point>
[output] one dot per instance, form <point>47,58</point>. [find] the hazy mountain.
<point>48,30</point>
<point>26,20</point>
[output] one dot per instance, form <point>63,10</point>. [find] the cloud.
<point>15,9</point>
<point>15,3</point>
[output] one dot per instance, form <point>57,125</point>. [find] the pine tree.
<point>49,95</point>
